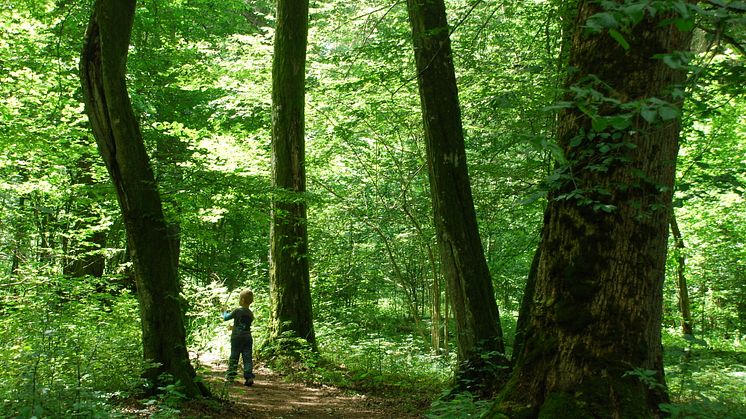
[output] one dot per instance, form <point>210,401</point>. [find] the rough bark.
<point>119,141</point>
<point>593,334</point>
<point>526,305</point>
<point>478,330</point>
<point>683,290</point>
<point>289,275</point>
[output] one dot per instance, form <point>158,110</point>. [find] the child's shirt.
<point>242,319</point>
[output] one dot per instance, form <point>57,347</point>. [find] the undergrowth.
<point>72,349</point>
<point>67,348</point>
<point>706,377</point>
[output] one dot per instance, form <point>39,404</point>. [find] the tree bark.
<point>526,307</point>
<point>478,330</point>
<point>117,133</point>
<point>684,306</point>
<point>289,276</point>
<point>436,339</point>
<point>593,344</point>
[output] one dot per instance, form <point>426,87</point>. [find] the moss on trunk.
<point>592,339</point>
<point>290,289</point>
<point>478,330</point>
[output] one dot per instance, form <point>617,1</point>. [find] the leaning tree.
<point>152,243</point>
<point>478,330</point>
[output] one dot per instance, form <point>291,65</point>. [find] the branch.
<point>720,35</point>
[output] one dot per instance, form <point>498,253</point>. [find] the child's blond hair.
<point>246,298</point>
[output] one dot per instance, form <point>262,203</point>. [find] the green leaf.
<point>583,108</point>
<point>557,153</point>
<point>599,124</point>
<point>678,93</point>
<point>533,197</point>
<point>619,38</point>
<point>676,60</point>
<point>649,114</point>
<point>635,12</point>
<point>558,105</point>
<point>601,21</point>
<point>620,122</point>
<point>684,24</point>
<point>668,112</point>
<point>681,7</point>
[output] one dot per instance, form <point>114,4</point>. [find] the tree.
<point>289,276</point>
<point>593,344</point>
<point>683,290</point>
<point>152,243</point>
<point>479,334</point>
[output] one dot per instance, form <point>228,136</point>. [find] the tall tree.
<point>152,245</point>
<point>592,341</point>
<point>289,277</point>
<point>478,330</point>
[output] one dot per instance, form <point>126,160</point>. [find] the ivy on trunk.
<point>592,342</point>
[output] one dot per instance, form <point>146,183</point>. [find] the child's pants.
<point>241,345</point>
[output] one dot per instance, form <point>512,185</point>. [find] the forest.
<point>444,208</point>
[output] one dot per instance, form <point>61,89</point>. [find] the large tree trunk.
<point>152,248</point>
<point>479,335</point>
<point>289,276</point>
<point>684,306</point>
<point>593,344</point>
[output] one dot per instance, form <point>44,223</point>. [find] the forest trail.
<point>273,397</point>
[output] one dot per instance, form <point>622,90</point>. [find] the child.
<point>241,340</point>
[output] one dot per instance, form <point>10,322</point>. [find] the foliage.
<point>199,80</point>
<point>709,201</point>
<point>167,400</point>
<point>66,349</point>
<point>704,380</point>
<point>463,405</point>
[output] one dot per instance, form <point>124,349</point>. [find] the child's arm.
<point>227,315</point>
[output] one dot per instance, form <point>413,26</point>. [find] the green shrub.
<point>66,349</point>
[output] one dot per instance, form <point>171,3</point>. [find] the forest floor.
<point>272,396</point>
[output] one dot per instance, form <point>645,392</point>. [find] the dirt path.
<point>272,397</point>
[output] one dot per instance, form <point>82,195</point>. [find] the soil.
<point>273,397</point>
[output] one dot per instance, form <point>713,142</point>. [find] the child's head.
<point>246,298</point>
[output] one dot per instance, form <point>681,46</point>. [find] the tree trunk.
<point>684,306</point>
<point>593,344</point>
<point>120,143</point>
<point>478,330</point>
<point>526,307</point>
<point>436,340</point>
<point>289,277</point>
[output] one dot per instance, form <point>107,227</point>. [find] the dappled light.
<point>442,209</point>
